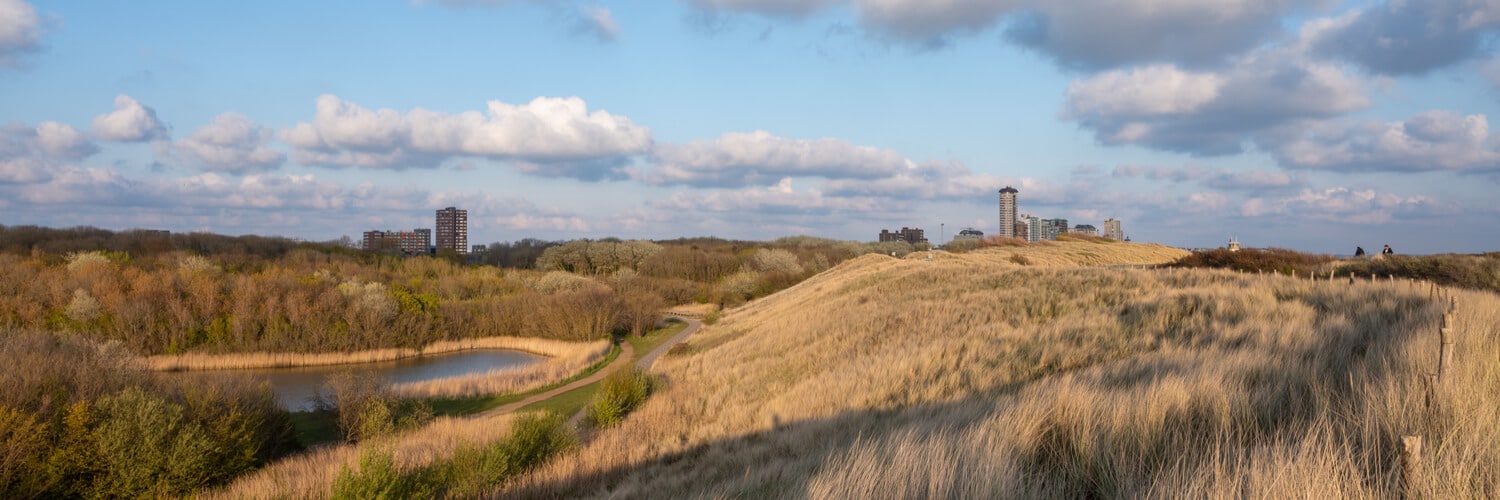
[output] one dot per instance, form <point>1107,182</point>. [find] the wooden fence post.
<point>1445,349</point>
<point>1411,462</point>
<point>1431,391</point>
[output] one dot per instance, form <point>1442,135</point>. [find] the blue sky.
<point>1307,124</point>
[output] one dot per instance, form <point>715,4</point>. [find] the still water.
<point>295,387</point>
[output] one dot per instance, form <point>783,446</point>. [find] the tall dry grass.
<point>974,376</point>
<point>199,361</point>
<point>311,475</point>
<point>566,359</point>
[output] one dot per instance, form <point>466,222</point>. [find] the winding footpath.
<point>627,352</point>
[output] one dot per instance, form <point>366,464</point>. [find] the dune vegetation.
<point>974,375</point>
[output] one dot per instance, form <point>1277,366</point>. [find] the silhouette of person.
<point>1359,251</point>
<point>1388,251</point>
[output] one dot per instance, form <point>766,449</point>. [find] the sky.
<point>1314,125</point>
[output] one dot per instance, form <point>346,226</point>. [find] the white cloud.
<point>1217,178</point>
<point>741,159</point>
<point>931,21</point>
<point>1108,33</point>
<point>129,122</point>
<point>544,131</point>
<point>1433,140</point>
<point>230,143</point>
<point>930,180</point>
<point>1342,205</point>
<point>20,31</point>
<point>781,198</point>
<point>1407,37</point>
<point>1209,113</point>
<point>31,154</point>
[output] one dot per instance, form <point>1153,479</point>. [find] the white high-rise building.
<point>1008,212</point>
<point>1033,227</point>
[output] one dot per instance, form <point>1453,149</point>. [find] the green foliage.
<point>620,393</point>
<point>1470,271</point>
<point>1255,260</point>
<point>364,409</point>
<point>378,478</point>
<point>471,472</point>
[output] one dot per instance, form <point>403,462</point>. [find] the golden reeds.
<point>197,361</point>
<point>975,376</point>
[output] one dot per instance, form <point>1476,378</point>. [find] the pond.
<point>295,387</point>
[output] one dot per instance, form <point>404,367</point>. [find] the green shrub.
<point>365,409</point>
<point>378,478</point>
<point>619,394</point>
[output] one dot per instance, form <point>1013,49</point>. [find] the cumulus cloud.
<point>931,21</point>
<point>781,198</point>
<point>1109,33</point>
<point>230,143</point>
<point>930,180</point>
<point>30,154</point>
<point>20,31</point>
<point>545,131</point>
<point>741,159</point>
<point>1407,37</point>
<point>1343,205</point>
<point>1217,178</point>
<point>1433,140</point>
<point>1209,113</point>
<point>129,122</point>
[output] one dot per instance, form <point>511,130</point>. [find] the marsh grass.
<point>972,376</point>
<point>201,361</point>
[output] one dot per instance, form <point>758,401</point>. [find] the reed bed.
<point>198,361</point>
<point>566,361</point>
<point>977,376</point>
<point>310,475</point>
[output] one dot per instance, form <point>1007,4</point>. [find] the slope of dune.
<point>1070,375</point>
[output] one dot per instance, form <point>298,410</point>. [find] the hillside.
<point>974,375</point>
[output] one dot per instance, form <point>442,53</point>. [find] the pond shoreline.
<point>257,360</point>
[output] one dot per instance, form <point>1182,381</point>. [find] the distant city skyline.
<point>1302,124</point>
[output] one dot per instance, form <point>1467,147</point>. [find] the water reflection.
<point>295,387</point>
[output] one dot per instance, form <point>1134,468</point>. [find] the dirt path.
<point>646,361</point>
<point>627,352</point>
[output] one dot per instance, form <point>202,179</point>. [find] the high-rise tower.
<point>453,230</point>
<point>1008,212</point>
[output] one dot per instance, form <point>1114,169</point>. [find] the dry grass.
<point>195,361</point>
<point>972,376</point>
<point>310,475</point>
<point>567,359</point>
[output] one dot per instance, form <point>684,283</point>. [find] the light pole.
<point>942,236</point>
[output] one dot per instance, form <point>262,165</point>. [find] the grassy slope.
<point>972,375</point>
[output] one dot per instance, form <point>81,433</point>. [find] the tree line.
<point>161,293</point>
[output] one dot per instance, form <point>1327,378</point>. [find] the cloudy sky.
<point>1309,124</point>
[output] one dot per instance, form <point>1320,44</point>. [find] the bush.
<point>76,420</point>
<point>471,472</point>
<point>1255,260</point>
<point>365,409</point>
<point>378,478</point>
<point>619,394</point>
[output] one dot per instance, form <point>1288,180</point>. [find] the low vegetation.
<point>974,376</point>
<point>170,294</point>
<point>1480,272</point>
<point>619,394</point>
<point>1255,260</point>
<point>81,420</point>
